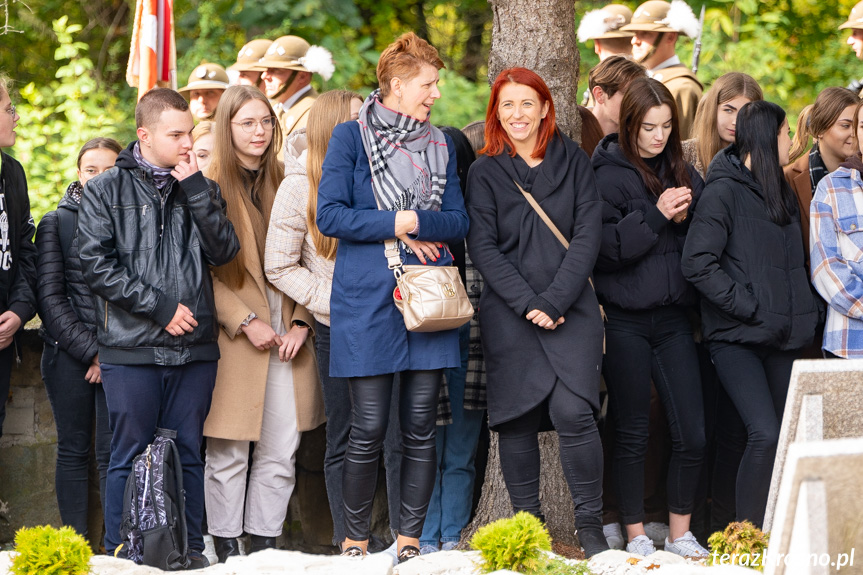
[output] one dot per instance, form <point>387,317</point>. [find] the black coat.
<point>638,267</point>
<point>749,270</point>
<point>525,267</point>
<point>18,287</point>
<point>66,305</point>
<point>143,254</point>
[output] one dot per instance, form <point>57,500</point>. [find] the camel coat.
<point>797,174</point>
<point>686,90</point>
<point>238,398</point>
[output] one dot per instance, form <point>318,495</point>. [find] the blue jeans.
<point>451,500</point>
<point>140,399</point>
<point>76,403</point>
<point>337,403</point>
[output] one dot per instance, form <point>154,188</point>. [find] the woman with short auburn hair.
<point>391,174</point>
<point>648,190</point>
<point>267,389</point>
<point>543,357</point>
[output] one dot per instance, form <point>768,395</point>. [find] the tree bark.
<point>540,35</point>
<point>535,34</point>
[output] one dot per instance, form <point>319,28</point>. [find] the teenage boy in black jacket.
<point>148,230</point>
<point>17,252</point>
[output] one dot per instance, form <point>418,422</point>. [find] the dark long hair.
<point>642,95</point>
<point>758,125</point>
<point>464,154</point>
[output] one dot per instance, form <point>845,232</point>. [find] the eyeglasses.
<point>249,126</point>
<point>11,110</point>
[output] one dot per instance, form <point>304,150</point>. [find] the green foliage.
<point>517,543</point>
<point>58,118</point>
<point>739,543</point>
<point>461,102</point>
<point>558,566</point>
<point>45,550</point>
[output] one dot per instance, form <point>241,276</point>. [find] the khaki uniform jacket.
<point>686,90</point>
<point>297,116</point>
<point>238,398</point>
<point>797,174</point>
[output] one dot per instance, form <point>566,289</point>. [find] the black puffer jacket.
<point>66,305</point>
<point>749,270</point>
<point>144,253</point>
<point>639,260</point>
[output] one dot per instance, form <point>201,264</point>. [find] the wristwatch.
<point>246,322</point>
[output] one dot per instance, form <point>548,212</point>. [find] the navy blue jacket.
<point>367,332</point>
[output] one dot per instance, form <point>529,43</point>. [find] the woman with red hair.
<point>544,358</point>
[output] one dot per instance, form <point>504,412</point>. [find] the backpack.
<point>153,528</point>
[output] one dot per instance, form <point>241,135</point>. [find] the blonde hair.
<point>404,59</point>
<point>817,118</point>
<point>330,109</point>
<point>726,88</point>
<point>203,128</point>
<point>225,169</point>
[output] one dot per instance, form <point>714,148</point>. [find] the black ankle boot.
<point>226,547</point>
<point>259,543</point>
<point>590,536</point>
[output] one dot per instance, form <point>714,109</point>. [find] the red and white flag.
<point>153,56</point>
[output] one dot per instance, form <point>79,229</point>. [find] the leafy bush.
<point>517,543</point>
<point>57,119</point>
<point>741,543</point>
<point>45,550</point>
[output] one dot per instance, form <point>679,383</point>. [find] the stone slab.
<point>443,563</point>
<point>821,490</point>
<point>839,387</point>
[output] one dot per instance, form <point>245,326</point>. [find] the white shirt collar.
<point>288,104</point>
<point>673,61</point>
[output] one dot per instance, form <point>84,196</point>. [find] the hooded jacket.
<point>18,287</point>
<point>639,259</point>
<point>144,252</point>
<point>66,304</point>
<point>749,270</point>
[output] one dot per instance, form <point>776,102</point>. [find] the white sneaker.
<point>686,546</point>
<point>658,532</point>
<point>392,551</point>
<point>641,545</point>
<point>210,550</point>
<point>614,535</point>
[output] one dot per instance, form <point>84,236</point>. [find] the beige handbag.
<point>560,237</point>
<point>431,298</point>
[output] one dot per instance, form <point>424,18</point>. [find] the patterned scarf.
<point>817,169</point>
<point>74,191</point>
<point>161,176</point>
<point>408,158</point>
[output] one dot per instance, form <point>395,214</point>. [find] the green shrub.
<point>45,550</point>
<point>741,543</point>
<point>517,543</point>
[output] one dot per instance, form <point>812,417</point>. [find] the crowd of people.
<point>224,276</point>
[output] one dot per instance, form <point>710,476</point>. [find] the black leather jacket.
<point>143,253</point>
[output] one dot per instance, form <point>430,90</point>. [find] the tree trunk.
<point>535,34</point>
<point>540,35</point>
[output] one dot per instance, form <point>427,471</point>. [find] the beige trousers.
<point>260,508</point>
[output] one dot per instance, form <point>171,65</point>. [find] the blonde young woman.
<point>203,146</point>
<point>266,389</point>
<point>716,117</point>
<point>830,123</point>
<point>300,261</point>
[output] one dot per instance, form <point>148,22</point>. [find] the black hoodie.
<point>639,260</point>
<point>750,271</point>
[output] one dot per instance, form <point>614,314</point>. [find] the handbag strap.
<point>544,216</point>
<point>391,250</point>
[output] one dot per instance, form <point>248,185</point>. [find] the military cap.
<point>247,59</point>
<point>294,53</point>
<point>206,77</point>
<point>605,23</point>
<point>661,16</point>
<point>855,19</point>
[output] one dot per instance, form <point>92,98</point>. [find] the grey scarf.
<point>408,158</point>
<point>161,176</point>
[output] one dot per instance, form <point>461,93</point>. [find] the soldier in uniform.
<point>204,89</point>
<point>247,63</point>
<point>288,66</point>
<point>855,40</point>
<point>603,26</point>
<point>657,25</point>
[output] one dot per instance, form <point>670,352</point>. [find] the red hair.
<point>496,139</point>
